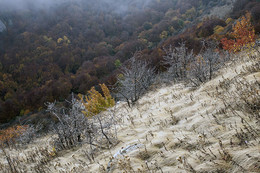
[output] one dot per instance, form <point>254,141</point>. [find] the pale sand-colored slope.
<point>165,139</point>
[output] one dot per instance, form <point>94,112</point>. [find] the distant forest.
<point>46,54</point>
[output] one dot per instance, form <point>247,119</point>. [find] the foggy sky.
<point>28,4</point>
<point>119,5</point>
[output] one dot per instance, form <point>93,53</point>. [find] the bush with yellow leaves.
<point>95,103</point>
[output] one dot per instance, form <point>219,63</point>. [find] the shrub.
<point>198,68</point>
<point>178,58</point>
<point>74,127</point>
<point>71,124</point>
<point>9,136</point>
<point>218,29</point>
<point>208,26</point>
<point>95,103</point>
<point>228,20</point>
<point>134,80</point>
<point>206,62</point>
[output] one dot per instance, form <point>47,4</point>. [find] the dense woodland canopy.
<point>45,54</point>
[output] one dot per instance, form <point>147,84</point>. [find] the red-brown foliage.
<point>243,34</point>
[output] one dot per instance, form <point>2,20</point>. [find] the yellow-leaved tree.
<point>95,103</point>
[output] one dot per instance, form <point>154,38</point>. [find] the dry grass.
<point>213,128</point>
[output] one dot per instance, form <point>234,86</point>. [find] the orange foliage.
<point>244,35</point>
<point>95,102</point>
<point>10,134</point>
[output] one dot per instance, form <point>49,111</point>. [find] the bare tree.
<point>209,59</point>
<point>178,58</point>
<point>197,68</point>
<point>74,127</point>
<point>134,80</point>
<point>71,123</point>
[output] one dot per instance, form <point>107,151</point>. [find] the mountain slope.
<point>176,121</point>
<point>76,44</point>
<point>175,128</point>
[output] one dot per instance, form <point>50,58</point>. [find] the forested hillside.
<point>48,52</point>
<point>129,86</point>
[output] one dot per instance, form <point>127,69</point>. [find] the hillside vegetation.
<point>172,128</point>
<point>130,86</point>
<point>46,54</point>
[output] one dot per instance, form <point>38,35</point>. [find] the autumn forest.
<point>48,53</point>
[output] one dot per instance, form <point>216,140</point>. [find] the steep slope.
<point>75,44</point>
<point>176,128</point>
<point>176,121</point>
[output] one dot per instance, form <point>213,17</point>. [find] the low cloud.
<point>28,4</point>
<point>117,5</point>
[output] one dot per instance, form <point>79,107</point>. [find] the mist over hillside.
<point>49,49</point>
<point>120,6</point>
<point>129,86</point>
<point>29,4</point>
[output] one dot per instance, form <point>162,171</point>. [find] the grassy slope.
<point>181,130</point>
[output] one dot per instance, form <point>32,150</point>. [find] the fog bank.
<point>120,5</point>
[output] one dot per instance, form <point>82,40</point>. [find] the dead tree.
<point>73,127</point>
<point>178,58</point>
<point>134,80</point>
<point>198,68</point>
<point>209,59</point>
<point>71,124</point>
